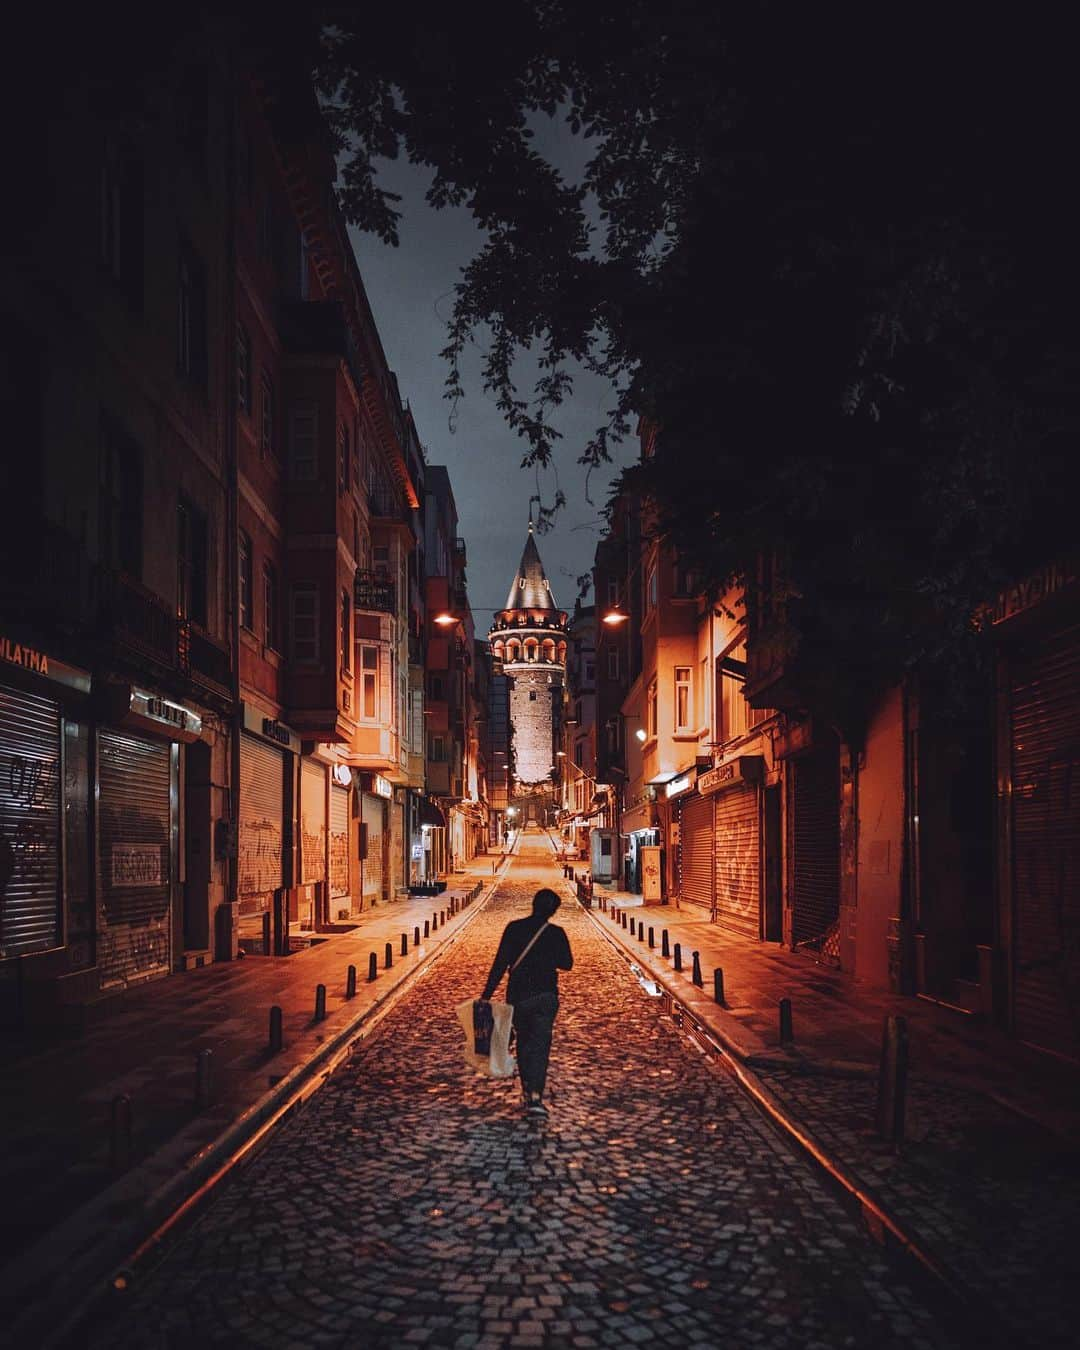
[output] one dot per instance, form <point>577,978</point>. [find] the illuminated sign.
<point>41,663</point>
<point>343,775</point>
<point>744,769</point>
<point>681,784</point>
<point>1034,589</point>
<point>151,708</point>
<point>257,721</point>
<point>382,787</point>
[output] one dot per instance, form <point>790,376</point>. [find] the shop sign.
<point>416,851</point>
<point>744,769</point>
<point>37,662</point>
<point>255,720</point>
<point>1034,589</point>
<point>136,865</point>
<point>795,737</point>
<point>683,783</point>
<point>380,786</point>
<point>342,775</point>
<point>161,712</point>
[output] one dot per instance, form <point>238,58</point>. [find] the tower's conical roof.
<point>530,589</point>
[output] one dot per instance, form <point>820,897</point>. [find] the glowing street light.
<point>444,620</point>
<point>641,734</point>
<point>615,616</point>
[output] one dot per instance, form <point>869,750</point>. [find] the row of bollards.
<point>890,1106</point>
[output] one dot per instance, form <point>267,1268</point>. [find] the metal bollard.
<point>120,1133</point>
<point>277,1036</point>
<point>266,933</point>
<point>632,928</point>
<point>623,918</point>
<point>434,922</point>
<point>892,1081</point>
<point>204,1062</point>
<point>786,1033</point>
<point>652,936</point>
<point>350,982</point>
<point>696,971</point>
<point>427,928</point>
<point>404,944</point>
<point>665,945</point>
<point>320,1003</point>
<point>389,959</point>
<point>416,937</point>
<point>718,985</point>
<point>678,956</point>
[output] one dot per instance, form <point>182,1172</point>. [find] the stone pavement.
<point>61,1189</point>
<point>988,1179</point>
<point>411,1202</point>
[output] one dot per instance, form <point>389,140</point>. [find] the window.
<point>271,607</point>
<point>613,663</point>
<point>191,318</point>
<point>266,419</point>
<point>246,616</point>
<point>590,671</point>
<point>356,539</point>
<point>356,455</point>
<point>343,460</point>
<point>120,499</point>
<point>436,689</point>
<point>732,707</point>
<point>121,220</point>
<point>613,592</point>
<point>266,229</point>
<point>579,754</point>
<point>651,711</point>
<point>304,261</point>
<point>303,431</point>
<point>191,559</point>
<point>650,587</point>
<point>437,749</point>
<point>683,699</point>
<point>304,623</point>
<point>683,578</point>
<point>532,695</point>
<point>369,683</point>
<point>243,370</point>
<point>346,632</point>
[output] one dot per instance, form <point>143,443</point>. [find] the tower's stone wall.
<point>532,720</point>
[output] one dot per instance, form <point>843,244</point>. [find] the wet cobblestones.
<point>412,1204</point>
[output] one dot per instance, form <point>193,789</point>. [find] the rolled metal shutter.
<point>134,858</point>
<point>696,851</point>
<point>738,860</point>
<point>262,808</point>
<point>372,817</point>
<point>29,823</point>
<point>1044,694</point>
<point>339,840</point>
<point>816,852</point>
<point>312,821</point>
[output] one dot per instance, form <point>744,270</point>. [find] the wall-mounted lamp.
<point>641,734</point>
<point>615,616</point>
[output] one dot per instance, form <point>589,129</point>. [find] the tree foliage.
<point>830,256</point>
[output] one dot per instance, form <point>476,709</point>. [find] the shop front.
<point>341,794</point>
<point>314,788</point>
<point>268,754</point>
<point>734,788</point>
<point>375,800</point>
<point>639,831</point>
<point>428,848</point>
<point>813,777</point>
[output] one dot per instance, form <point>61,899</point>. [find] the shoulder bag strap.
<point>528,947</point>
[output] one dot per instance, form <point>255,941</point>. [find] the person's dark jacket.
<point>537,974</point>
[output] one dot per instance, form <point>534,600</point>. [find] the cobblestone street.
<point>411,1203</point>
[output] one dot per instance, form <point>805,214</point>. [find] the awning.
<point>669,774</point>
<point>430,814</point>
<point>638,818</point>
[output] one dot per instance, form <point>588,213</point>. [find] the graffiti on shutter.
<point>339,841</point>
<point>696,850</point>
<point>29,823</point>
<point>738,860</point>
<point>262,804</point>
<point>312,821</point>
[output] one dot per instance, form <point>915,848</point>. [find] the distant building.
<point>529,637</point>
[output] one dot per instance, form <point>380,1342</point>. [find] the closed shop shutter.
<point>262,809</point>
<point>29,822</point>
<point>312,821</point>
<point>134,858</point>
<point>738,860</point>
<point>339,840</point>
<point>1044,692</point>
<point>372,816</point>
<point>397,843</point>
<point>816,852</point>
<point>696,851</point>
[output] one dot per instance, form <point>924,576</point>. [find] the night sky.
<point>410,289</point>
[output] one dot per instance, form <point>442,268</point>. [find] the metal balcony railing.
<point>374,591</point>
<point>139,621</point>
<point>202,658</point>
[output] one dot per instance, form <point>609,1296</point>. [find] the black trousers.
<point>534,1018</point>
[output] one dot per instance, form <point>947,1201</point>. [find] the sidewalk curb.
<point>81,1269</point>
<point>883,1226</point>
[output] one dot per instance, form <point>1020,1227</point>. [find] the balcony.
<point>318,328</point>
<point>138,622</point>
<point>374,592</point>
<point>203,659</point>
<point>774,677</point>
<point>416,649</point>
<point>386,508</point>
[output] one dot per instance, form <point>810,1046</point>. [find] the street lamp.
<point>445,620</point>
<point>615,616</point>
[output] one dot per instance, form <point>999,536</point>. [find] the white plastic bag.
<point>500,1063</point>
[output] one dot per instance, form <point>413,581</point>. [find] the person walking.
<point>534,950</point>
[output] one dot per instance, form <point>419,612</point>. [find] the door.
<point>774,916</point>
<point>696,879</point>
<point>30,777</point>
<point>136,783</point>
<point>261,841</point>
<point>816,852</point>
<point>1044,696</point>
<point>738,860</point>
